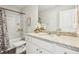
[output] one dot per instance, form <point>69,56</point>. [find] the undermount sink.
<point>42,33</point>
<point>46,34</point>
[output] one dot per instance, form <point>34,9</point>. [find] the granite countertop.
<point>66,40</point>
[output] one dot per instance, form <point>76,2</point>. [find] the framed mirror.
<point>62,19</point>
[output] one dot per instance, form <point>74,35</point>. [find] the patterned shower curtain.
<point>4,39</point>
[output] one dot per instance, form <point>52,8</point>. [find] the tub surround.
<point>64,41</point>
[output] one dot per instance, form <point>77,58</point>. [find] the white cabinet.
<point>28,38</point>
<point>38,46</point>
<point>61,50</point>
<point>68,20</point>
<point>45,45</point>
<point>34,48</point>
<point>31,48</point>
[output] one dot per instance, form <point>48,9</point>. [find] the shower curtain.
<point>4,39</point>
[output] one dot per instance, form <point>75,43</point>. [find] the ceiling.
<point>45,7</point>
<point>19,6</point>
<point>13,6</point>
<point>40,7</point>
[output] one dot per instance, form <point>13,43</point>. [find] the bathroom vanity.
<point>43,43</point>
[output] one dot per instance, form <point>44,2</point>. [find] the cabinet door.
<point>32,48</point>
<point>28,48</point>
<point>61,50</point>
<point>67,22</point>
<point>28,45</point>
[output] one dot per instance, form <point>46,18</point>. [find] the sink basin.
<point>42,33</point>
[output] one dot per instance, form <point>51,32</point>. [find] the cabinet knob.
<point>27,38</point>
<point>65,52</point>
<point>37,49</point>
<point>41,51</point>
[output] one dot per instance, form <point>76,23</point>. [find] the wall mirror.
<point>61,18</point>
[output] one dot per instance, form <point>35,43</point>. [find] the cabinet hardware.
<point>37,49</point>
<point>40,51</point>
<point>65,52</point>
<point>27,38</point>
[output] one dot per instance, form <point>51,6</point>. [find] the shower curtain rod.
<point>11,10</point>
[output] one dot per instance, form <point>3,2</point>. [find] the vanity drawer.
<point>32,48</point>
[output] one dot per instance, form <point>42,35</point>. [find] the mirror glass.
<point>58,17</point>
